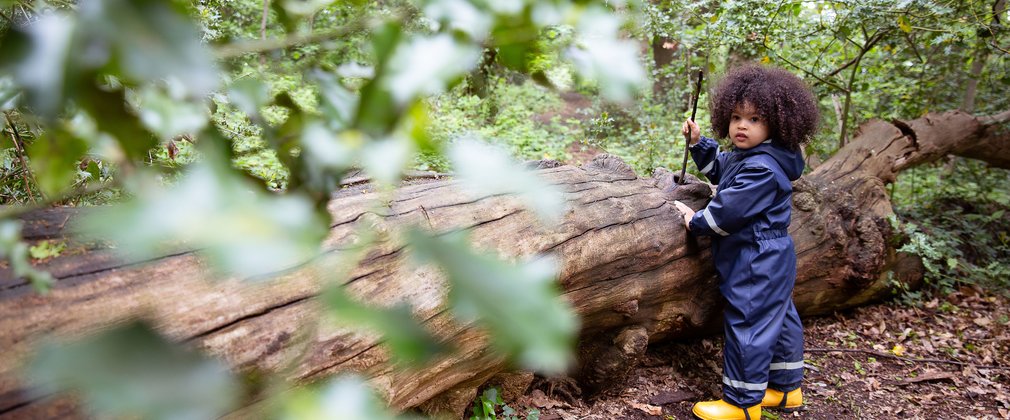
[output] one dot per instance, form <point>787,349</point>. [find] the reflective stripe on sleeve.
<point>744,385</point>
<point>711,223</point>
<point>786,365</point>
<point>708,168</point>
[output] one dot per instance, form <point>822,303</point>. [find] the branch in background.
<point>11,212</point>
<point>238,49</point>
<point>805,71</point>
<point>864,48</point>
<point>20,150</point>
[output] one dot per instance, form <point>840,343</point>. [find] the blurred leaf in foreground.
<point>344,398</point>
<point>133,372</point>
<point>238,227</point>
<point>409,342</point>
<point>519,304</point>
<point>487,170</point>
<point>16,253</point>
<point>602,56</point>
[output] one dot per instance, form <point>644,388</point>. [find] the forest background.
<point>227,125</point>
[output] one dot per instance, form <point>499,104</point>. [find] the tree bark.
<point>628,267</point>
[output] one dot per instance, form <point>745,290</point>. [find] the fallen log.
<point>628,268</point>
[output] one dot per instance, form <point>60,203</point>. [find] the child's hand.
<point>695,132</point>
<point>688,213</point>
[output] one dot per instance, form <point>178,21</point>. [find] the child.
<point>767,113</point>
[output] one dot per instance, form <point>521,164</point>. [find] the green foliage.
<point>955,220</point>
<point>47,249</point>
<point>488,403</point>
<point>16,252</point>
<point>512,301</point>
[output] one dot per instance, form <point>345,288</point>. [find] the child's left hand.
<point>688,213</point>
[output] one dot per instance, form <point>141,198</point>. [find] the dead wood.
<point>627,266</point>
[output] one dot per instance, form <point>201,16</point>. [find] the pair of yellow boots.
<point>722,410</point>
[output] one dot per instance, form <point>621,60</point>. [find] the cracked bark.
<point>627,266</point>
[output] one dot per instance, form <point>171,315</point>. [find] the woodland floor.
<point>954,364</point>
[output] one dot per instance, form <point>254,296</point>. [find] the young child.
<point>767,114</point>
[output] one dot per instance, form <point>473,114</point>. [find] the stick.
<point>687,139</point>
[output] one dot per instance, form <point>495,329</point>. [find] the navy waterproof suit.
<point>756,262</point>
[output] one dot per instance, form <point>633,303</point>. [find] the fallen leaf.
<point>982,321</point>
<point>648,409</point>
<point>898,350</point>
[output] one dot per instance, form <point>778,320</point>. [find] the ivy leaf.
<point>111,114</point>
<point>409,341</point>
<point>487,170</point>
<point>133,372</point>
<point>517,303</point>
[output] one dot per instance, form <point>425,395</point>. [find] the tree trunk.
<point>628,267</point>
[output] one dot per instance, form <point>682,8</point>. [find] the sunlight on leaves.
<point>487,170</point>
<point>133,372</point>
<point>517,303</point>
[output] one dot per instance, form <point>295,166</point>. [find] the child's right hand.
<point>695,132</point>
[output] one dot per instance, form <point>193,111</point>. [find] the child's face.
<point>746,128</point>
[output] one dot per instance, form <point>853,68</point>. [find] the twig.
<point>19,148</point>
<point>904,359</point>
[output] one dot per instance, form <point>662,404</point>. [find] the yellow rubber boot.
<point>722,410</point>
<point>788,401</point>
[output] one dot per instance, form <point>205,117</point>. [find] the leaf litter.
<point>949,358</point>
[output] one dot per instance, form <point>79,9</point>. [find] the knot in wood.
<point>628,309</point>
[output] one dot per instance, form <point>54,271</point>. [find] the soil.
<point>949,358</point>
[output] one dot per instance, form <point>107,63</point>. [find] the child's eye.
<point>755,119</point>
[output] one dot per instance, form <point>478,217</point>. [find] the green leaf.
<point>487,170</point>
<point>171,117</point>
<point>249,95</point>
<point>517,303</point>
<point>238,227</point>
<point>133,372</point>
<point>148,41</point>
<point>602,57</point>
<point>54,157</point>
<point>409,342</point>
<point>15,251</point>
<point>37,56</point>
<point>346,398</point>
<point>903,24</point>
<point>337,103</point>
<point>426,65</point>
<point>111,114</point>
<point>385,159</point>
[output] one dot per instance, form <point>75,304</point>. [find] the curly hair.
<point>785,101</point>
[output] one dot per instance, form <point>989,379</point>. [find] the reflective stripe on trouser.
<point>761,325</point>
